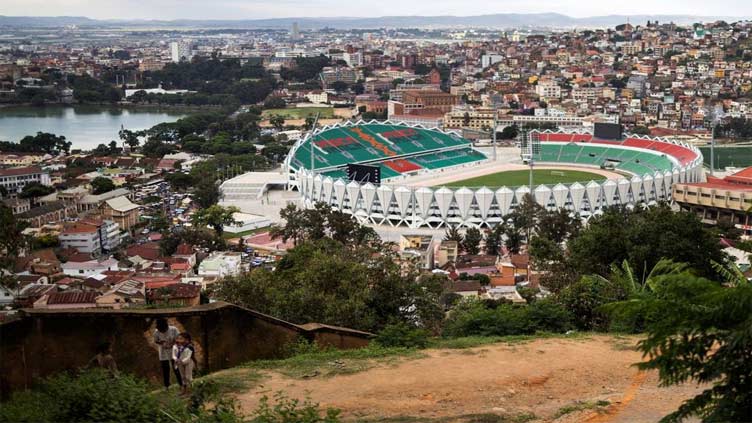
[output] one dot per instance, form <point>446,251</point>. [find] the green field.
<point>729,156</point>
<point>300,112</point>
<point>513,178</point>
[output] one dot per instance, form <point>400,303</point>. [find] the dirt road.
<point>562,380</point>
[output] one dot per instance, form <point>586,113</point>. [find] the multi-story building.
<point>548,90</point>
<point>430,99</point>
<point>16,178</point>
<point>91,236</point>
<point>471,118</point>
<point>180,50</point>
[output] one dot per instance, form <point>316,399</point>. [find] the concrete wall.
<point>44,342</point>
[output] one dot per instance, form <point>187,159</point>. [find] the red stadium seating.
<point>402,165</point>
<point>336,142</point>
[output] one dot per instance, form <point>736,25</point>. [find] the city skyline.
<point>234,9</point>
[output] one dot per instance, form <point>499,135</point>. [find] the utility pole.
<point>313,128</point>
<point>493,136</point>
<point>712,146</point>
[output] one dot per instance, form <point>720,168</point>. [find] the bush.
<point>401,334</point>
<point>92,396</point>
<point>476,318</point>
<point>287,410</point>
<point>585,298</point>
<point>97,396</point>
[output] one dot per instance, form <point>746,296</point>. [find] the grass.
<point>299,112</point>
<point>513,178</point>
<point>332,362</point>
<point>729,156</point>
<point>479,341</point>
<point>231,235</point>
<point>234,380</point>
<point>580,406</point>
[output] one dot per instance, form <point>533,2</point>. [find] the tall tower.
<point>295,33</point>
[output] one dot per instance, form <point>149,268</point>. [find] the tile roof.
<point>15,171</point>
<point>87,297</point>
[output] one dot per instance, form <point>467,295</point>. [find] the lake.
<point>84,126</point>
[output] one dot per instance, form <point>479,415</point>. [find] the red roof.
<point>87,297</point>
<point>743,176</point>
<point>15,171</point>
<point>174,291</point>
<point>184,250</point>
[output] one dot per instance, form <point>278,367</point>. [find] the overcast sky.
<point>256,9</point>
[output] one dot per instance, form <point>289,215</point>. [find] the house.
<point>122,211</point>
<point>41,262</point>
<point>419,248</point>
<point>7,296</point>
<point>51,212</point>
<point>123,294</point>
<point>504,293</point>
<point>447,253</point>
<point>465,288</point>
<point>29,294</point>
<point>90,267</point>
<point>67,300</point>
<point>187,252</point>
<point>220,264</point>
<point>178,294</point>
<point>16,178</point>
<point>91,236</point>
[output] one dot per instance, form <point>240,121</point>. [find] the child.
<point>184,356</point>
<point>104,359</point>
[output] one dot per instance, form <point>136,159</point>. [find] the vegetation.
<point>42,142</point>
<point>698,330</point>
<point>96,395</point>
<point>100,185</point>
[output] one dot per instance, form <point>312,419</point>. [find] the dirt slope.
<point>562,380</point>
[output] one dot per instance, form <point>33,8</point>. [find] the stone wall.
<point>44,342</point>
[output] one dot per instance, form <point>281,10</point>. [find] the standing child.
<point>184,355</point>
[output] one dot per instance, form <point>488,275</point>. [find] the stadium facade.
<point>316,167</point>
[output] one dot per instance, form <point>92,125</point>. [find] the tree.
<point>206,192</point>
<point>180,181</point>
<point>278,121</point>
<point>216,217</point>
<point>11,236</point>
<point>308,125</point>
<point>35,190</point>
<point>641,130</point>
<point>494,240</point>
<point>644,237</point>
<point>453,234</point>
<point>472,240</point>
<point>100,185</point>
<point>698,330</point>
<point>275,103</point>
<point>510,132</point>
<point>321,222</point>
<point>129,137</point>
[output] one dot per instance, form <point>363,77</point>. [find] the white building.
<point>548,89</point>
<point>489,59</point>
<point>89,268</point>
<point>317,97</point>
<point>220,264</point>
<point>180,50</point>
<point>16,178</point>
<point>91,237</point>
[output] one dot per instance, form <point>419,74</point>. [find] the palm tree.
<point>730,272</point>
<point>649,281</point>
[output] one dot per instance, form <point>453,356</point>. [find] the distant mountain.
<point>501,20</point>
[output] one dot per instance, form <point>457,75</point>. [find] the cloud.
<point>257,9</point>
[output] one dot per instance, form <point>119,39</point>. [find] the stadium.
<point>395,174</point>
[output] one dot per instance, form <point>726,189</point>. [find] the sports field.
<point>513,178</point>
<point>729,156</point>
<point>299,112</point>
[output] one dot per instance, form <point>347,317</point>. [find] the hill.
<point>498,20</point>
<point>583,378</point>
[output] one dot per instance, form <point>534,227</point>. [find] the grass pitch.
<point>513,178</point>
<point>299,112</point>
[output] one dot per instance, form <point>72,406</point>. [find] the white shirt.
<point>168,340</point>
